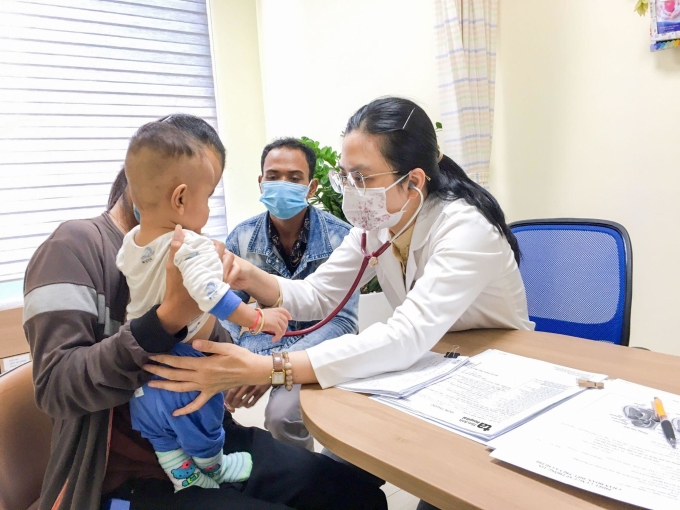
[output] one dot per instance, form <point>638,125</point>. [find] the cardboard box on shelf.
<point>12,338</point>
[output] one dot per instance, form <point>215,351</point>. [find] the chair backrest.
<point>24,440</point>
<point>578,275</point>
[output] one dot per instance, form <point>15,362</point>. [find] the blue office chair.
<point>578,275</point>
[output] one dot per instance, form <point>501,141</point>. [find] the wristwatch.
<point>278,376</point>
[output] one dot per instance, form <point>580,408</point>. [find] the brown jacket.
<point>85,362</point>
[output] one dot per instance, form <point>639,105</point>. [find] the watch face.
<point>278,378</point>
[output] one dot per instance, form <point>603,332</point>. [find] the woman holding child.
<point>88,366</point>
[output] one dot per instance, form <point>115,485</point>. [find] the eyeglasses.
<point>353,179</point>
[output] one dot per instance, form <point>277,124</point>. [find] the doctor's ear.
<point>417,180</point>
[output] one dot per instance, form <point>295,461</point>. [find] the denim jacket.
<point>249,240</point>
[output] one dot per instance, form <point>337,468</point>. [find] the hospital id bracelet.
<point>278,376</point>
<point>288,368</point>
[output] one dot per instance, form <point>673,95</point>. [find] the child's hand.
<point>276,321</point>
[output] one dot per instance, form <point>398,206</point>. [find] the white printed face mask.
<point>369,210</point>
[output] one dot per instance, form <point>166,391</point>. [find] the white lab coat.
<point>461,274</point>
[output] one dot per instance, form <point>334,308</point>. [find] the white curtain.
<point>466,32</point>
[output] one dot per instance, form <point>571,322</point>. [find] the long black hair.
<point>193,126</point>
<point>118,189</point>
<point>407,140</point>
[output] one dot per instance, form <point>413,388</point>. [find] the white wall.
<point>588,125</point>
<point>240,111</point>
<point>323,59</point>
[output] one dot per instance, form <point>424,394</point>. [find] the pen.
<point>665,424</point>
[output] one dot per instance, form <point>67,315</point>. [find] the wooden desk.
<point>450,471</point>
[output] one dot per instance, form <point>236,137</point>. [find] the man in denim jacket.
<point>292,239</point>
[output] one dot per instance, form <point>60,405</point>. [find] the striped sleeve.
<point>77,368</point>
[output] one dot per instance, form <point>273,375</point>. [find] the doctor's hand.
<point>220,247</point>
<point>245,396</point>
<point>236,271</point>
<point>230,366</point>
<point>178,308</point>
<point>242,275</point>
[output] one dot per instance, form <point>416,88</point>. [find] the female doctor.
<point>452,265</point>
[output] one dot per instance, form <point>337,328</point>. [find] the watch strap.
<point>278,376</point>
<point>278,361</point>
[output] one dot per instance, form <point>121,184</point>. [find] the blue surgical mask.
<point>283,199</point>
<point>135,211</point>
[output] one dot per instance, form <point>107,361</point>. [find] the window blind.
<point>77,78</point>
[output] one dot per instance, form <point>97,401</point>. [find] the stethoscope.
<point>368,259</point>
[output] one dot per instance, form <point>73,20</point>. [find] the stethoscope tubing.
<point>368,258</point>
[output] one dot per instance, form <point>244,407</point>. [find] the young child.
<point>170,180</point>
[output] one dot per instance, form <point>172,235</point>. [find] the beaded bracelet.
<point>288,368</point>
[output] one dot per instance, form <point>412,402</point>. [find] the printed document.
<point>432,367</point>
<point>495,392</point>
<point>604,441</point>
